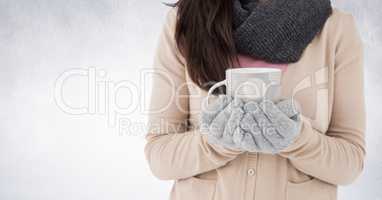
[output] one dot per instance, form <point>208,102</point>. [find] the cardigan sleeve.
<point>337,157</point>
<point>173,151</point>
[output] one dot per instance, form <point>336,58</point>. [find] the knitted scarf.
<point>277,31</point>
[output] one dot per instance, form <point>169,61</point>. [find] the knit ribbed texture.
<point>277,31</point>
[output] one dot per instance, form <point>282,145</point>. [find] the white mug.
<point>251,83</point>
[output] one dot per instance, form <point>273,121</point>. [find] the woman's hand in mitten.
<point>273,126</point>
<point>220,119</point>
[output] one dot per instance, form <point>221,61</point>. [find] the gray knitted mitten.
<point>273,127</point>
<point>254,126</point>
<point>220,119</point>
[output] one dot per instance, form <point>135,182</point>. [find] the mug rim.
<point>253,70</point>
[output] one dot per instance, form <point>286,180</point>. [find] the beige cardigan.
<point>330,150</point>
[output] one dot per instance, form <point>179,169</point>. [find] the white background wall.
<point>46,153</point>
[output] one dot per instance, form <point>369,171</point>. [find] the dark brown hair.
<point>204,36</point>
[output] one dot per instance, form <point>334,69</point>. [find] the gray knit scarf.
<point>277,31</point>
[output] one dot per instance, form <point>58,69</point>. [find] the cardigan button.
<point>251,172</point>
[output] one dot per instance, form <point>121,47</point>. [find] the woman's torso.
<point>265,176</point>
